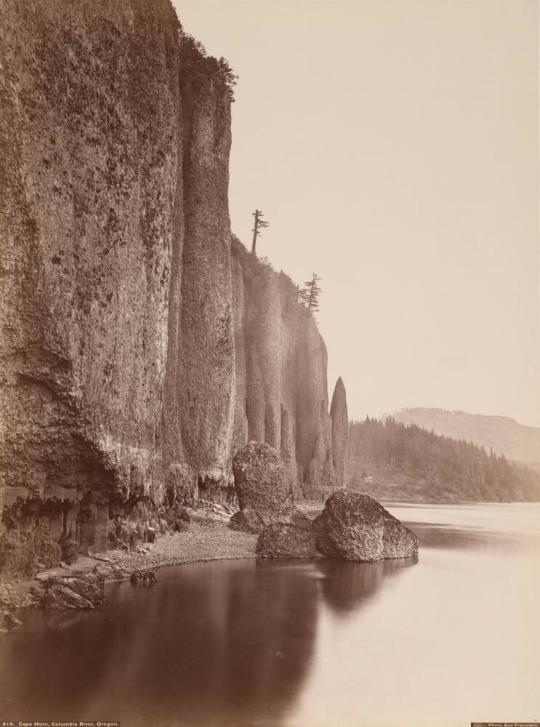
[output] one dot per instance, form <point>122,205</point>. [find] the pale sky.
<point>393,147</point>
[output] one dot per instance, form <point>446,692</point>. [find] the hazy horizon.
<point>394,150</point>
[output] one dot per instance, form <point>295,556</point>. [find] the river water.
<point>450,639</point>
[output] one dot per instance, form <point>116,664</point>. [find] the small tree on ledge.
<point>257,226</point>
<point>309,294</point>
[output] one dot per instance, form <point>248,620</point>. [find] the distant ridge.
<point>502,434</point>
<point>391,460</point>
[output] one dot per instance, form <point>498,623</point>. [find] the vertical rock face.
<point>116,342</point>
<point>137,354</point>
<point>340,430</point>
<point>313,438</point>
<point>90,148</point>
<point>200,377</point>
<point>281,374</point>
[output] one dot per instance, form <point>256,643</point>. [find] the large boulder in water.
<point>294,539</point>
<point>262,482</point>
<point>353,526</point>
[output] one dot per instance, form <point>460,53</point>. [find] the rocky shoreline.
<point>352,526</point>
<point>206,534</point>
<point>81,584</point>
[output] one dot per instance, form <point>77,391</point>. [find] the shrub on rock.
<point>353,526</point>
<point>262,482</point>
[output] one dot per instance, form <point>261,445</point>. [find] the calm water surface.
<point>450,639</point>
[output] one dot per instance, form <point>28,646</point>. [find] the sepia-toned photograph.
<point>269,363</point>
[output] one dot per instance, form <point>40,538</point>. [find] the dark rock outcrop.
<point>295,539</point>
<point>356,527</point>
<point>74,591</point>
<point>262,482</point>
<point>26,550</point>
<point>247,521</point>
<point>8,621</point>
<point>70,550</point>
<point>143,578</point>
<point>340,430</point>
<point>8,608</point>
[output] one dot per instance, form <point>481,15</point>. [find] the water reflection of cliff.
<point>213,644</point>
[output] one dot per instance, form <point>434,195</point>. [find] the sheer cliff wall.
<point>136,352</point>
<point>281,384</point>
<point>91,150</point>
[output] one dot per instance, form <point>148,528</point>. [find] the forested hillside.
<point>388,459</point>
<point>502,434</point>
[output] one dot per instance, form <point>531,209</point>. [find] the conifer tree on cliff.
<point>309,294</point>
<point>257,226</point>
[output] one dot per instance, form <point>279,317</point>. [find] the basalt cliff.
<point>140,344</point>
